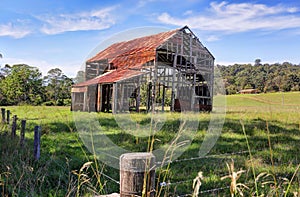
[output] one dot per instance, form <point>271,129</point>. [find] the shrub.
<point>49,103</point>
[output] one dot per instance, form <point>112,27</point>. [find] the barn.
<point>166,71</point>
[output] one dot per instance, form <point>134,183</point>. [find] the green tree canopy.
<point>264,77</point>
<point>21,84</point>
<point>58,86</point>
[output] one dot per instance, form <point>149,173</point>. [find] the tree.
<point>266,78</point>
<point>79,77</point>
<point>257,62</point>
<point>22,84</point>
<point>58,86</point>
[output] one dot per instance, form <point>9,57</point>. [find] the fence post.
<point>3,114</point>
<point>7,116</point>
<point>22,134</point>
<point>37,142</point>
<point>14,126</point>
<point>137,174</point>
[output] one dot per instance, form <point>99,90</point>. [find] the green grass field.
<point>272,127</point>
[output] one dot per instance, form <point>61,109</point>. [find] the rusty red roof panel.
<point>126,56</point>
<point>110,77</point>
<point>138,45</point>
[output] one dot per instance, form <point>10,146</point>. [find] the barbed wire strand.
<point>214,190</point>
<point>163,184</point>
<point>209,156</point>
<point>203,157</point>
<point>112,179</point>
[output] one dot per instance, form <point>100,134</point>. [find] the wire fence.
<point>202,157</point>
<point>190,181</point>
<point>110,178</point>
<point>212,190</point>
<point>206,191</point>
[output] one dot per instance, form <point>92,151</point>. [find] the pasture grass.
<point>272,128</point>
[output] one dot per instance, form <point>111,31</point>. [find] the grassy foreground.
<point>271,126</point>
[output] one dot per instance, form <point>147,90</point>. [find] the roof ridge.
<point>104,53</point>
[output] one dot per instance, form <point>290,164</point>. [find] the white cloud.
<point>13,30</point>
<point>188,13</point>
<point>212,38</point>
<point>93,20</point>
<point>55,24</point>
<point>69,68</point>
<point>238,17</point>
<point>42,65</point>
<point>142,3</point>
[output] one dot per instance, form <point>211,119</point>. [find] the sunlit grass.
<point>63,149</point>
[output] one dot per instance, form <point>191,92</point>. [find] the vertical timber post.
<point>3,114</point>
<point>173,82</point>
<point>14,127</point>
<point>137,175</point>
<point>7,116</point>
<point>84,108</point>
<point>22,134</point>
<point>37,142</point>
<point>114,98</point>
<point>163,99</point>
<point>99,97</point>
<point>138,96</point>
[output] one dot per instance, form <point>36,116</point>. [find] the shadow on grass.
<point>62,153</point>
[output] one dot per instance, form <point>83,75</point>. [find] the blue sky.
<point>49,34</point>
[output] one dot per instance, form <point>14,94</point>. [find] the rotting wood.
<point>180,50</point>
<point>137,174</point>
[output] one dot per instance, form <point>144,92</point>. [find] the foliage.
<point>58,86</point>
<point>80,77</point>
<point>23,84</point>
<point>264,77</point>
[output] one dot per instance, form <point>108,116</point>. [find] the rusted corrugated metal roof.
<point>128,55</point>
<point>127,48</point>
<point>110,77</point>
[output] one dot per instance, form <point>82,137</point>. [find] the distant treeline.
<point>263,77</point>
<point>23,84</point>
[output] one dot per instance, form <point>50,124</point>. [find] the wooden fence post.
<point>3,114</point>
<point>7,116</point>
<point>37,142</point>
<point>22,134</point>
<point>135,170</point>
<point>14,126</point>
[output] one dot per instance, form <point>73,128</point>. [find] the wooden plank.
<point>114,98</point>
<point>138,97</point>
<point>163,99</point>
<point>99,92</point>
<point>137,175</point>
<point>79,89</point>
